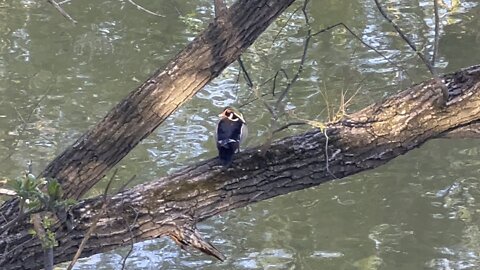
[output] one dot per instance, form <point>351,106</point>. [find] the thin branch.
<point>279,110</point>
<point>92,228</point>
<point>236,86</point>
<point>107,188</point>
<point>263,84</point>
<point>251,101</point>
<point>364,43</point>
<point>285,25</point>
<point>405,38</point>
<point>437,32</point>
<point>124,186</point>
<point>275,79</point>
<point>38,227</point>
<point>439,82</point>
<point>269,108</point>
<point>144,9</point>
<point>246,76</point>
<point>327,156</point>
<point>302,61</point>
<point>62,11</point>
<point>132,237</point>
<point>64,2</point>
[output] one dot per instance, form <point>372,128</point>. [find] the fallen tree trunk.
<point>85,162</point>
<point>173,205</point>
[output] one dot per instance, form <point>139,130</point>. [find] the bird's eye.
<point>228,114</point>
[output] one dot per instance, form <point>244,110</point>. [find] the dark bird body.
<point>231,130</point>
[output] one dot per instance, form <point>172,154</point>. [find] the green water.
<point>420,211</point>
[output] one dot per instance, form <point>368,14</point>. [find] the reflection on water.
<point>419,211</point>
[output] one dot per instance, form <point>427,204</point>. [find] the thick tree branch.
<point>173,205</point>
<point>84,163</point>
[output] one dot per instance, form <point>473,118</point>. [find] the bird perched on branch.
<point>230,133</point>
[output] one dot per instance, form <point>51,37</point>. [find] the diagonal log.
<point>174,204</point>
<point>85,162</point>
<point>145,108</point>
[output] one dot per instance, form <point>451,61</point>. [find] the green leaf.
<point>32,232</point>
<point>54,190</point>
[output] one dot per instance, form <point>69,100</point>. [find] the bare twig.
<point>303,58</point>
<point>285,25</point>
<point>62,11</point>
<point>64,2</point>
<point>405,38</point>
<point>251,101</point>
<point>274,86</point>
<point>36,220</point>
<point>278,109</point>
<point>102,211</point>
<point>363,42</point>
<point>246,76</point>
<point>428,64</point>
<point>274,77</point>
<point>129,226</point>
<point>265,104</point>
<point>144,9</point>
<point>437,32</point>
<point>124,186</point>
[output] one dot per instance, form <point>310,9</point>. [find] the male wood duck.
<point>230,133</point>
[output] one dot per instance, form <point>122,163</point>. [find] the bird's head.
<point>232,114</point>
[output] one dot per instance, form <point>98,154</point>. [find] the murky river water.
<point>420,211</point>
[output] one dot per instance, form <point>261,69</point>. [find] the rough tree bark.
<point>85,162</point>
<point>174,204</point>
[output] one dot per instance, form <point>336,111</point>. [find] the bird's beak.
<point>241,118</point>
